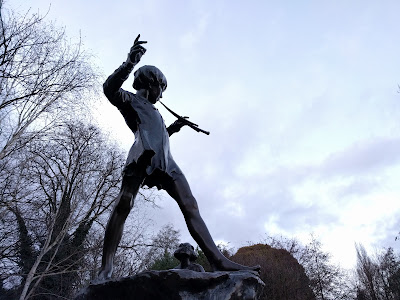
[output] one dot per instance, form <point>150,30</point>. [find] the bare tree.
<point>139,246</point>
<point>58,177</point>
<point>149,252</point>
<point>367,272</point>
<point>321,272</point>
<point>41,74</point>
<point>66,183</point>
<point>389,274</point>
<point>378,278</point>
<point>43,77</point>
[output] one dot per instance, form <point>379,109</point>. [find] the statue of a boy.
<point>150,161</point>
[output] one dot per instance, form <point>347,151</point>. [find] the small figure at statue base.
<point>186,255</point>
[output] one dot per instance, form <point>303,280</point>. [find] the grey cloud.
<point>363,157</point>
<point>270,194</point>
<point>306,216</point>
<point>359,186</point>
<point>362,160</point>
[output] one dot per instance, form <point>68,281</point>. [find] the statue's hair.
<point>148,74</point>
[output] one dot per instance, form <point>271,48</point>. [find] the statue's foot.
<point>228,265</point>
<point>104,275</point>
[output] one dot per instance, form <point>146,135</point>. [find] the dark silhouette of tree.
<point>378,278</point>
<point>285,278</point>
<point>165,262</point>
<point>327,280</point>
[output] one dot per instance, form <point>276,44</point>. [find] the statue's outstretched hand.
<point>177,125</point>
<point>137,50</point>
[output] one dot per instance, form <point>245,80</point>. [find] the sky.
<point>301,99</point>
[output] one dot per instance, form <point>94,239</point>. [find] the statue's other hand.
<point>180,123</point>
<point>137,50</point>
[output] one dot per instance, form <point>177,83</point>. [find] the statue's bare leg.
<point>181,192</point>
<point>115,226</point>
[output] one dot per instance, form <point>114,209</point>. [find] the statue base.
<point>177,285</point>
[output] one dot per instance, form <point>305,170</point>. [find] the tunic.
<point>151,147</point>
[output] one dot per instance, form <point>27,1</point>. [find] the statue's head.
<point>149,75</point>
<point>151,79</point>
<point>185,250</point>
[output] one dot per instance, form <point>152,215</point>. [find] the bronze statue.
<point>150,161</point>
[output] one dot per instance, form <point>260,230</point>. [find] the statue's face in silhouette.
<point>155,92</point>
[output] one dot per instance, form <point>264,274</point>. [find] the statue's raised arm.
<point>114,82</point>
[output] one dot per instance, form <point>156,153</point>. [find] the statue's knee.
<point>125,203</point>
<point>191,206</point>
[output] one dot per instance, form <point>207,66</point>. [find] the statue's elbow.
<point>105,88</point>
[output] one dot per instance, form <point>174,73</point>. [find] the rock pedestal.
<point>177,285</point>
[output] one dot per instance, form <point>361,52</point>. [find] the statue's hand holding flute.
<point>184,121</point>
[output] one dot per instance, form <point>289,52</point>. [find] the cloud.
<point>293,199</point>
<point>363,157</point>
<point>357,186</point>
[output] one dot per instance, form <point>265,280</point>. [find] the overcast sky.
<point>301,98</point>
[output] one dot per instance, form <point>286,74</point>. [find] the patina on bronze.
<point>150,161</point>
